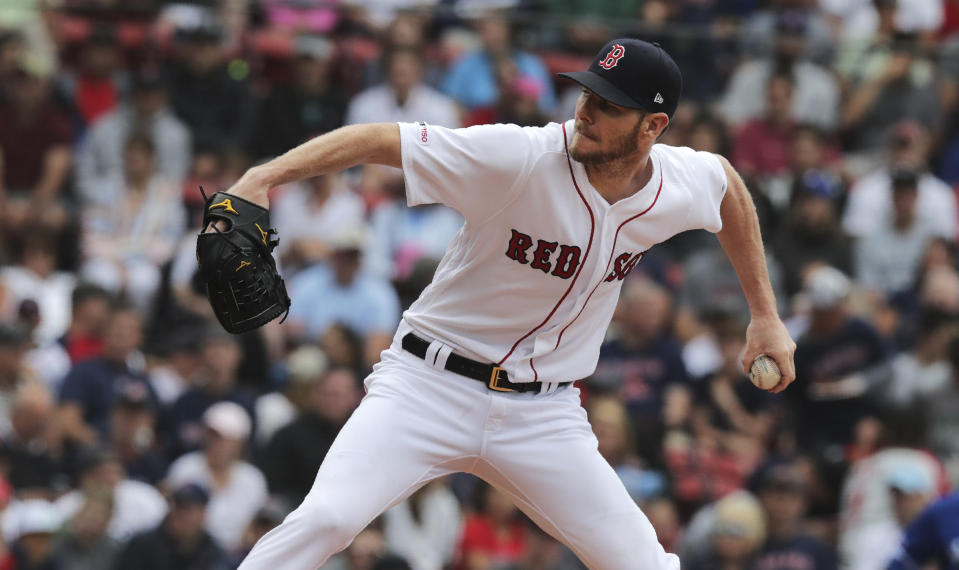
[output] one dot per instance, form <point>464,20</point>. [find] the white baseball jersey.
<point>532,278</point>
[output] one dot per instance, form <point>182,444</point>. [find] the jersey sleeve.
<point>709,187</point>
<point>475,170</point>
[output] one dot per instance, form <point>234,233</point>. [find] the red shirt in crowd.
<point>480,536</point>
<point>25,143</point>
<point>95,97</point>
<point>763,148</point>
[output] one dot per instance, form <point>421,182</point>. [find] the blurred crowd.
<point>135,433</point>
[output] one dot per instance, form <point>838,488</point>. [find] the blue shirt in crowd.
<point>933,536</point>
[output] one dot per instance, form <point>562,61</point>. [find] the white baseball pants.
<point>417,423</point>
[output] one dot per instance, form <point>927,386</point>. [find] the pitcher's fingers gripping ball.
<point>764,372</point>
<point>236,264</point>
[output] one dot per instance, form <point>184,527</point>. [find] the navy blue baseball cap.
<point>634,74</point>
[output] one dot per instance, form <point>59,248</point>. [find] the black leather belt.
<point>492,375</point>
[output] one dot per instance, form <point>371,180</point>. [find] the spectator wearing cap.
<point>931,538</point>
<point>127,240</point>
<point>214,100</point>
<point>84,543</point>
<point>313,213</point>
<point>133,434</point>
<point>101,154</point>
<point>870,204</point>
<point>34,547</point>
<point>137,506</point>
<point>782,493</point>
<point>811,232</point>
<point>90,389</point>
<point>31,455</point>
<point>96,86</point>
<point>35,154</point>
<point>887,260</point>
<point>340,291</point>
<point>835,357</point>
<point>404,96</point>
<point>180,542</point>
<point>237,489</point>
<point>911,489</point>
<point>310,105</point>
<point>471,80</point>
<point>304,368</point>
<point>737,530</point>
<point>816,96</point>
<point>182,425</point>
<point>295,453</point>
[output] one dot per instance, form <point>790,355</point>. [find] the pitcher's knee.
<point>330,523</point>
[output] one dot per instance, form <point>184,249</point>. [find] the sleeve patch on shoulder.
<point>423,134</point>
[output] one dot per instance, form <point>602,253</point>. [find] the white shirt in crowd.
<point>428,541</point>
<point>379,105</point>
<point>137,507</point>
<point>231,508</point>
<point>870,205</point>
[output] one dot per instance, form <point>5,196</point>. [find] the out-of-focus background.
<point>135,433</point>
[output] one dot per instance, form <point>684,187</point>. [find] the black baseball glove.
<point>236,264</point>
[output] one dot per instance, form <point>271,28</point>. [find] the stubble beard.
<point>623,148</point>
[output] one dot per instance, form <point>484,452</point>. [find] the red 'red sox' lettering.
<point>565,264</point>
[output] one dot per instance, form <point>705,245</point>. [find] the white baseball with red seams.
<point>530,283</point>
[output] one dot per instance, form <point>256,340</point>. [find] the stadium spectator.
<point>99,81</point>
<point>931,537</point>
<point>870,202</point>
<point>133,437</point>
<point>615,437</point>
<point>11,54</point>
<point>643,363</point>
<point>34,546</point>
<point>425,528</point>
<point>833,359</point>
<point>136,505</point>
<point>471,79</point>
<point>312,214</point>
<point>782,493</point>
<point>90,389</point>
<point>35,277</point>
<point>310,105</point>
<point>129,238</point>
<point>816,96</point>
<point>810,233</point>
<point>304,367</point>
<point>14,374</point>
<point>518,101</point>
<point>237,489</point>
<point>213,100</point>
<point>265,520</point>
<point>294,454</point>
<point>888,258</point>
<point>101,155</point>
<point>404,96</point>
<point>736,534</point>
<point>340,292</point>
<point>35,154</point>
<point>911,489</point>
<point>494,535</point>
<point>762,145</point>
<point>89,315</point>
<point>31,456</point>
<point>180,541</point>
<point>84,543</point>
<point>942,410</point>
<point>182,427</point>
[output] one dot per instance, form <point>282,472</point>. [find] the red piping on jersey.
<point>612,252</point>
<point>582,264</point>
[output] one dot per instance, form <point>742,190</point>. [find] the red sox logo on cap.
<point>613,57</point>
